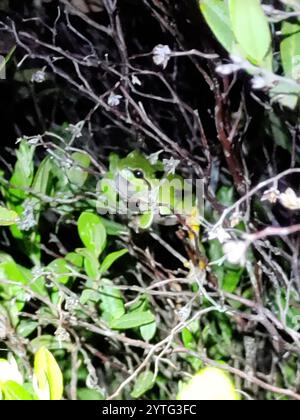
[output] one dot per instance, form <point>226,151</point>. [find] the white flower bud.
<point>227,69</point>
<point>271,195</point>
<point>114,100</point>
<point>220,234</point>
<point>161,55</point>
<point>38,77</point>
<point>235,252</point>
<point>258,83</point>
<point>290,200</point>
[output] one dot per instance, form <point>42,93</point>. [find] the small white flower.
<point>67,163</point>
<point>135,80</point>
<point>114,100</point>
<point>170,165</point>
<point>38,77</point>
<point>184,313</point>
<point>237,59</point>
<point>153,158</point>
<point>71,303</point>
<point>161,55</point>
<point>9,371</point>
<point>235,252</point>
<point>62,334</point>
<point>290,200</point>
<point>27,220</point>
<point>76,129</point>
<point>271,195</point>
<point>227,69</point>
<point>235,219</point>
<point>33,141</point>
<point>220,234</point>
<point>258,83</point>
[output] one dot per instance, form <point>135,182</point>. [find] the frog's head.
<point>140,185</point>
<point>132,178</point>
<point>136,171</point>
<point>139,167</point>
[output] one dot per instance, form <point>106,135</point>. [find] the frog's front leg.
<point>142,221</point>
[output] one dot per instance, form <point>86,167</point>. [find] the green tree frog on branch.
<point>147,192</point>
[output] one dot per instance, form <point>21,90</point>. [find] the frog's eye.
<point>138,174</point>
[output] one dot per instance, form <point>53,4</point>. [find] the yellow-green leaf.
<point>290,50</point>
<point>78,173</point>
<point>92,232</point>
<point>216,15</point>
<point>111,258</point>
<point>49,379</point>
<point>112,302</point>
<point>251,29</point>
<point>6,60</point>
<point>210,384</point>
<point>8,217</point>
<point>12,391</point>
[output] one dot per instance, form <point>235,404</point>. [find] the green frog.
<point>148,193</point>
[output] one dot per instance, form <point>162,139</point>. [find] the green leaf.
<point>29,242</point>
<point>251,29</point>
<point>145,381</point>
<point>92,232</point>
<point>25,328</point>
<point>188,339</point>
<point>23,172</point>
<point>48,375</point>
<point>86,394</point>
<point>9,270</point>
<point>133,320</point>
<point>49,341</point>
<point>91,263</point>
<point>41,180</point>
<point>110,259</point>
<point>290,50</point>
<point>74,259</point>
<point>279,132</point>
<point>15,392</point>
<point>6,60</point>
<point>8,217</point>
<point>112,302</point>
<point>148,331</point>
<point>89,295</point>
<point>226,195</point>
<point>113,228</point>
<point>60,269</point>
<point>286,93</point>
<point>217,17</point>
<point>209,384</point>
<point>78,174</point>
<point>215,252</point>
<point>231,280</point>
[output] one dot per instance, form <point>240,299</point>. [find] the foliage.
<point>47,383</point>
<point>96,305</point>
